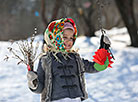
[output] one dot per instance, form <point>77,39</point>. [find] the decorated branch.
<point>26,52</point>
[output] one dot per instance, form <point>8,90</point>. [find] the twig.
<point>27,50</point>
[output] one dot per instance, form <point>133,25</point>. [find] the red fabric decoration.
<point>28,67</point>
<point>101,55</point>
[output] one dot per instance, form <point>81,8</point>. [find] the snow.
<point>117,84</point>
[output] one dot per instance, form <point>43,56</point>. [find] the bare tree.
<point>126,9</point>
<point>43,13</point>
<point>54,13</point>
<point>86,14</point>
<point>87,18</point>
<point>58,3</point>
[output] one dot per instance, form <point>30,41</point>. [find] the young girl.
<point>60,73</point>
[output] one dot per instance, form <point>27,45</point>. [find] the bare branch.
<point>27,50</point>
<point>11,50</point>
<point>6,58</point>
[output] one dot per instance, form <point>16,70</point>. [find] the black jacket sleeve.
<point>89,66</point>
<point>41,78</point>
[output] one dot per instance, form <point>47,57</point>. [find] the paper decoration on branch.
<point>101,55</point>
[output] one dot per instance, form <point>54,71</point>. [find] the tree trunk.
<point>126,9</point>
<point>43,13</point>
<point>87,18</point>
<point>91,30</point>
<point>54,13</point>
<point>58,3</point>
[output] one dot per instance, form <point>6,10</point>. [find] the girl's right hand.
<point>32,79</point>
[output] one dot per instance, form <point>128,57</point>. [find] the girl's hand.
<point>32,79</point>
<point>99,67</point>
<point>105,42</point>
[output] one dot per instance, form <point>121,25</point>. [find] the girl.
<point>60,73</point>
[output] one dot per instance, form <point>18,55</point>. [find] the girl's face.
<point>68,38</point>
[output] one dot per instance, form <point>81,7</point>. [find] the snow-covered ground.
<point>117,84</point>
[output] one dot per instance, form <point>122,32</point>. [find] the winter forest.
<point>22,27</point>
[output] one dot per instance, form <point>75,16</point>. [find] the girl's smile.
<point>68,38</point>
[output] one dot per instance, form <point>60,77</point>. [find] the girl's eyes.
<point>65,38</point>
<point>71,38</point>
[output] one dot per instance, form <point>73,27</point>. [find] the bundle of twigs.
<point>27,53</point>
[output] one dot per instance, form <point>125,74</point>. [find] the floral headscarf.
<point>53,35</point>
